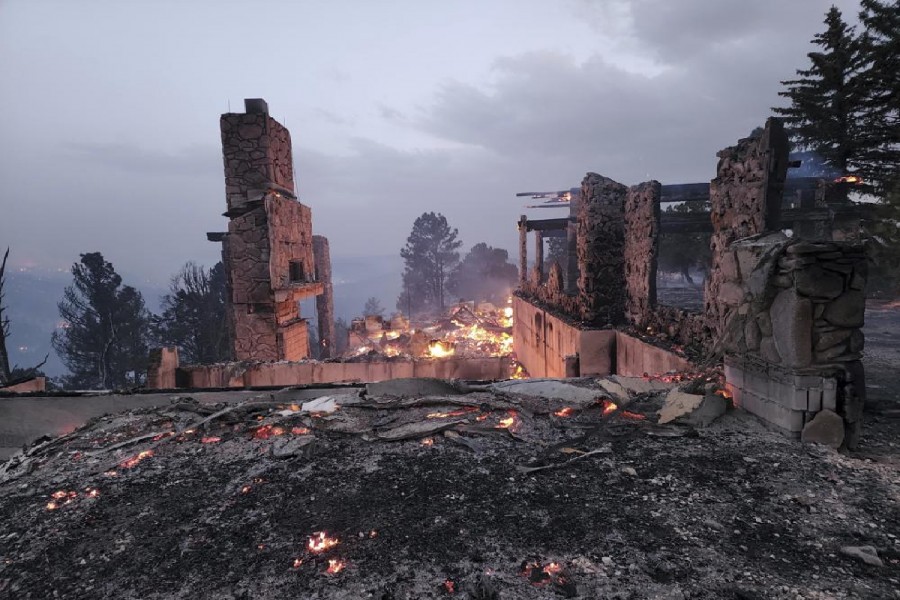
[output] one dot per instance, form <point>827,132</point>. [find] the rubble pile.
<point>609,488</point>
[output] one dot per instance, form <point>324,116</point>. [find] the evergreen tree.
<point>373,307</point>
<point>825,99</point>
<point>880,135</point>
<point>484,274</point>
<point>104,342</point>
<point>556,253</point>
<point>681,252</point>
<point>430,254</point>
<point>193,316</point>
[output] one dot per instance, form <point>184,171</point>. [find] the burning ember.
<point>134,460</point>
<point>565,412</point>
<point>450,586</point>
<point>854,179</point>
<point>211,439</point>
<point>455,413</point>
<point>267,431</point>
<point>510,421</point>
<point>428,442</point>
<point>61,498</point>
<point>246,489</point>
<point>608,406</point>
<point>299,430</point>
<point>319,542</point>
<point>297,562</point>
<point>335,566</point>
<point>539,574</point>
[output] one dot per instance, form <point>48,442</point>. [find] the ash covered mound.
<point>531,489</point>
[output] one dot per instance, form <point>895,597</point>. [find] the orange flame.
<point>854,179</point>
<point>455,413</point>
<point>724,393</point>
<point>134,460</point>
<point>335,566</point>
<point>299,430</point>
<point>608,406</point>
<point>510,421</point>
<point>297,562</point>
<point>440,349</point>
<point>428,442</point>
<point>319,542</point>
<point>450,586</point>
<point>565,412</point>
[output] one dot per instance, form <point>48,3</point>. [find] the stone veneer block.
<point>792,320</point>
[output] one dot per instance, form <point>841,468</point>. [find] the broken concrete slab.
<point>412,387</point>
<point>711,408</point>
<point>551,389</point>
<point>678,404</point>
<point>826,428</point>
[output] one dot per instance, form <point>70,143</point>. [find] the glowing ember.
<point>246,489</point>
<point>508,312</point>
<point>319,542</point>
<point>61,498</point>
<point>299,430</point>
<point>481,417</point>
<point>267,431</point>
<point>52,506</point>
<point>440,349</point>
<point>510,421</point>
<point>565,412</point>
<point>110,474</point>
<point>428,442</point>
<point>553,568</point>
<point>93,492</point>
<point>211,439</point>
<point>450,586</point>
<point>134,460</point>
<point>724,393</point>
<point>634,416</point>
<point>297,562</point>
<point>335,566</point>
<point>455,413</point>
<point>608,406</point>
<point>855,179</point>
<point>160,436</point>
<point>373,534</point>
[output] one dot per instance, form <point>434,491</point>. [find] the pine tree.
<point>430,254</point>
<point>880,135</point>
<point>824,114</point>
<point>104,341</point>
<point>373,307</point>
<point>484,274</point>
<point>193,316</point>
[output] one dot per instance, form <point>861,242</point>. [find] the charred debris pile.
<point>588,488</point>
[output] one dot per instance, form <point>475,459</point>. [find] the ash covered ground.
<point>436,492</point>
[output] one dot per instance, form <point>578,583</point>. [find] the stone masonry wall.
<point>745,200</point>
<point>600,239</point>
<point>290,239</point>
<point>794,315</point>
<point>641,246</point>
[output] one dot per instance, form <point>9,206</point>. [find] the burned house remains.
<point>783,312</point>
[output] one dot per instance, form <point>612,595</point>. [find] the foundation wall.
<point>542,342</point>
<point>312,372</point>
<point>636,358</point>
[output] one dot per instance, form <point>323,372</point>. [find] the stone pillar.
<point>601,230</point>
<point>641,248</point>
<point>523,250</point>
<point>161,367</point>
<point>745,200</point>
<point>538,256</point>
<point>325,301</point>
<point>572,243</point>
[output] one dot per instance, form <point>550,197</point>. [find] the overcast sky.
<point>109,127</point>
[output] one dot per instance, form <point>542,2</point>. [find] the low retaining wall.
<point>636,358</point>
<point>542,342</point>
<point>235,375</point>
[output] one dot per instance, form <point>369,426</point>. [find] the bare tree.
<point>11,376</point>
